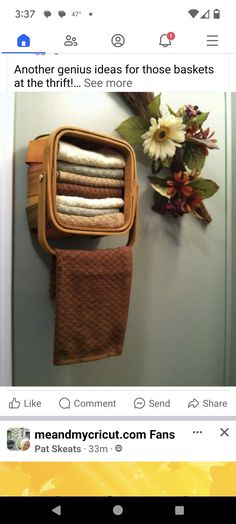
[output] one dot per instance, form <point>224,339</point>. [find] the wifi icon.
<point>193,12</point>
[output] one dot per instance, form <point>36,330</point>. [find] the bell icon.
<point>164,40</point>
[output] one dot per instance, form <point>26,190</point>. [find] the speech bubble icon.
<point>139,403</point>
<point>62,13</point>
<point>64,403</point>
<point>47,13</point>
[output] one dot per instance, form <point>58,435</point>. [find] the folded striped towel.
<point>89,192</point>
<point>103,157</point>
<point>63,176</point>
<point>109,221</point>
<point>103,172</point>
<point>94,203</point>
<point>84,211</point>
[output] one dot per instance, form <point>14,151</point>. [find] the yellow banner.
<point>118,479</point>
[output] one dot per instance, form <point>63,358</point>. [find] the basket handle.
<point>134,228</point>
<point>42,212</point>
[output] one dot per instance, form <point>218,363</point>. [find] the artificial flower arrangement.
<point>177,145</point>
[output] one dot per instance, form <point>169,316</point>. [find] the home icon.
<point>23,41</point>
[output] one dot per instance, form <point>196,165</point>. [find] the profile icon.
<point>118,40</point>
<point>18,439</point>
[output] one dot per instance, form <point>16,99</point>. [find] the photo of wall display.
<point>177,317</point>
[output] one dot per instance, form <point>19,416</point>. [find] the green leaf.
<point>194,157</point>
<point>159,185</point>
<point>171,111</point>
<point>133,128</point>
<point>196,121</point>
<point>199,119</point>
<point>188,121</point>
<point>206,188</point>
<point>158,179</point>
<point>167,162</point>
<point>153,107</point>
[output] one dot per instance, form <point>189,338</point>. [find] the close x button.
<point>224,432</point>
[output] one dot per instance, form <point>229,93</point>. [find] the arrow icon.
<point>193,403</point>
<point>57,510</point>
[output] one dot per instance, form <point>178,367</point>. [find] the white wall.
<point>233,332</point>
<point>176,327</point>
<point>6,149</point>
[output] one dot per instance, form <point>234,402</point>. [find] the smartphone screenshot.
<point>117,260</point>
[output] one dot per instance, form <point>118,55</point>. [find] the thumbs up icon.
<point>14,404</point>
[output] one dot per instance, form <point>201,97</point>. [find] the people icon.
<point>70,41</point>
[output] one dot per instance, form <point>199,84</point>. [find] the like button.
<point>14,404</point>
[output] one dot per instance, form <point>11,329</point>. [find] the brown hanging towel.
<point>92,292</point>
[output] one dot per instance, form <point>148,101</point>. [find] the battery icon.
<point>216,13</point>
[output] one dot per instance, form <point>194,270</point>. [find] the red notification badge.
<point>170,35</point>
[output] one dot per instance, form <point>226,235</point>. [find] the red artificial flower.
<point>193,201</point>
<point>202,137</point>
<point>204,150</point>
<point>176,207</point>
<point>179,185</point>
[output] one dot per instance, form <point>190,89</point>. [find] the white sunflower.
<point>163,136</point>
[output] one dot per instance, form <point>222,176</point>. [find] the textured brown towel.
<point>89,192</point>
<point>112,221</point>
<point>63,176</point>
<point>92,299</point>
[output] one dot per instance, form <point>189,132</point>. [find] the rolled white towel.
<point>84,211</point>
<point>104,157</point>
<point>94,203</point>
